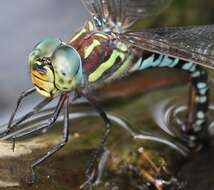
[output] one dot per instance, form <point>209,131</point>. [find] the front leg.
<point>63,101</point>
<point>58,146</point>
<point>34,111</point>
<point>20,99</point>
<point>50,122</point>
<point>98,153</point>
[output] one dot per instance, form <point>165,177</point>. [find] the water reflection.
<point>167,114</point>
<point>132,130</point>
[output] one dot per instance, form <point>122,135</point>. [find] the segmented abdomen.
<point>199,81</point>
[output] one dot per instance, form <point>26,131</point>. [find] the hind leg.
<point>99,151</point>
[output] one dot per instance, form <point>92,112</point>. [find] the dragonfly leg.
<point>100,149</point>
<point>50,123</point>
<point>58,146</point>
<point>198,108</point>
<point>101,166</point>
<point>89,183</point>
<point>21,97</point>
<point>34,111</point>
<point>191,109</point>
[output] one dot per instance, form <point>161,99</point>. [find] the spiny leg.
<point>101,166</point>
<point>50,122</point>
<point>191,109</point>
<point>28,115</point>
<point>21,97</point>
<point>34,111</point>
<point>99,150</point>
<point>57,147</point>
<point>198,108</point>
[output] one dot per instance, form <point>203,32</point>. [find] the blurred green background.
<point>185,13</point>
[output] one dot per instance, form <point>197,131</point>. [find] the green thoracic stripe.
<point>106,65</point>
<point>90,26</point>
<point>119,72</point>
<point>78,35</point>
<point>90,48</point>
<point>99,34</point>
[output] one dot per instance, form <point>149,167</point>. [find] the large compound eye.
<point>42,73</point>
<point>45,48</point>
<point>67,68</point>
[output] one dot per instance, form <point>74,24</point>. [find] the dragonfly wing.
<point>194,44</point>
<point>123,13</point>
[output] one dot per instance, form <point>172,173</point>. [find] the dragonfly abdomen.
<point>199,81</point>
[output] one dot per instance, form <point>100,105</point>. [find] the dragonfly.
<point>106,49</point>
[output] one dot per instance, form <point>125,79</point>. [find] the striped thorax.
<point>104,56</point>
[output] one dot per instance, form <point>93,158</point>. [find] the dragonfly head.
<point>55,67</point>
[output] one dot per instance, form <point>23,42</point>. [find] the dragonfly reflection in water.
<point>106,49</point>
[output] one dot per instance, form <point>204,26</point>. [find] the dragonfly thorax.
<point>55,67</point>
<point>104,56</point>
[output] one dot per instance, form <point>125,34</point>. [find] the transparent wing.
<point>123,13</point>
<point>195,44</point>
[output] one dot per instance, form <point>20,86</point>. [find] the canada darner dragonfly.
<point>106,49</point>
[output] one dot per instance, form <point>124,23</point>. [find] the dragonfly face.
<point>55,67</point>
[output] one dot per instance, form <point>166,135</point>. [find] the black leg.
<point>191,109</point>
<point>34,111</point>
<point>101,166</point>
<point>22,96</point>
<point>100,170</point>
<point>57,147</point>
<point>100,149</point>
<point>50,123</point>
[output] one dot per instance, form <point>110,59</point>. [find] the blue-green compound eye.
<point>67,68</point>
<point>45,48</point>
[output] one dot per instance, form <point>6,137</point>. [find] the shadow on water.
<point>142,147</point>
